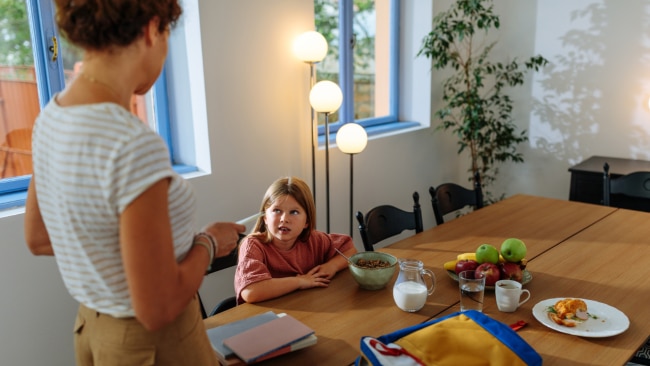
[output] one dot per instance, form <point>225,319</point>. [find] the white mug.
<point>508,294</point>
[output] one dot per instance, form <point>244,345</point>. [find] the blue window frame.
<point>50,79</point>
<point>384,20</point>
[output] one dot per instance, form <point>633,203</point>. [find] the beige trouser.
<point>102,340</point>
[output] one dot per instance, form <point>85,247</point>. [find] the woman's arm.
<point>161,288</point>
<point>36,236</point>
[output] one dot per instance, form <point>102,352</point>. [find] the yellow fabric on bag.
<point>458,341</point>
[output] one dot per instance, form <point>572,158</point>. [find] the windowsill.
<point>385,129</point>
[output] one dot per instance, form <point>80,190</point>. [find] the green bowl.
<point>372,278</point>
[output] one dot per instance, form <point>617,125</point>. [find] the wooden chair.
<point>219,264</point>
<point>385,221</point>
<point>636,185</point>
<point>450,197</point>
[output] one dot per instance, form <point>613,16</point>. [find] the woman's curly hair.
<point>102,24</point>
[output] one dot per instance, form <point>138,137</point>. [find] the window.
<point>35,63</point>
<point>366,66</point>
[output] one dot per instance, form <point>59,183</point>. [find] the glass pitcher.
<point>411,290</point>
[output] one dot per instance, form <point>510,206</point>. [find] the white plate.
<point>609,321</point>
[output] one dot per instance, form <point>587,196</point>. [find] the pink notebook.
<point>256,343</point>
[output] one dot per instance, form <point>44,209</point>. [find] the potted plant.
<point>476,108</point>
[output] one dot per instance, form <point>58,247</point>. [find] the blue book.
<point>270,339</point>
<point>218,334</point>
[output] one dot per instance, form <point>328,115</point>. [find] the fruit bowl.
<point>527,277</point>
<point>372,278</point>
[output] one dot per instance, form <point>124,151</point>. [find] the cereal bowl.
<point>372,270</point>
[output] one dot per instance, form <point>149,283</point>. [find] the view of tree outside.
<point>19,103</point>
<point>364,27</point>
<point>16,55</point>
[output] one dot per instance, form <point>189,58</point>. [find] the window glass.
<point>35,63</point>
<point>19,104</point>
<point>327,24</point>
<point>367,45</point>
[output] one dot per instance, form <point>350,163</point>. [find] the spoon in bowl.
<point>344,256</point>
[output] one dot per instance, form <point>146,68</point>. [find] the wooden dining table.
<point>608,262</point>
<point>574,250</point>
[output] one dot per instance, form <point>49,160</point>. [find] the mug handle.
<point>527,297</point>
<point>427,272</point>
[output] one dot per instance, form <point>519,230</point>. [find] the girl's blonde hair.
<point>299,190</point>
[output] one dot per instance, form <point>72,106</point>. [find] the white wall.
<point>589,102</point>
<point>592,99</point>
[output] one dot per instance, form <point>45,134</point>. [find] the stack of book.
<point>259,338</point>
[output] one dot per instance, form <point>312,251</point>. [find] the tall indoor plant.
<point>476,108</point>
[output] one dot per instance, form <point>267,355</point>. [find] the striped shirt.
<point>90,162</point>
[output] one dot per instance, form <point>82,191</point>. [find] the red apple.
<point>511,271</point>
<point>490,271</point>
<point>465,265</point>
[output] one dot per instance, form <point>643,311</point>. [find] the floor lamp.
<point>311,48</point>
<point>326,97</point>
<point>351,139</point>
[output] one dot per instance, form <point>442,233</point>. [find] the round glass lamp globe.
<point>310,47</point>
<point>351,138</point>
<point>325,97</point>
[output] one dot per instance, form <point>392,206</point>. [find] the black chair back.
<point>450,197</point>
<point>385,221</point>
<point>636,184</point>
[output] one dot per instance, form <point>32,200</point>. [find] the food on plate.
<point>510,261</point>
<point>513,250</point>
<point>487,253</point>
<point>568,312</point>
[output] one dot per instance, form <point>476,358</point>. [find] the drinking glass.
<point>472,290</point>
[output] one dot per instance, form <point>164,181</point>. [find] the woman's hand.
<point>226,235</point>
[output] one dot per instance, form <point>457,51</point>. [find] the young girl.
<point>285,253</point>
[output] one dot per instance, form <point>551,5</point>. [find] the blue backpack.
<point>467,338</point>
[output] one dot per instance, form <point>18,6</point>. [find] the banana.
<point>450,266</point>
<point>468,256</point>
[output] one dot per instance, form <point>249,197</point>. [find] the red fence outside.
<point>19,107</point>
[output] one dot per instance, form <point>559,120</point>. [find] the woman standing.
<point>104,200</point>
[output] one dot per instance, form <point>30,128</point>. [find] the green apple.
<point>487,253</point>
<point>513,250</point>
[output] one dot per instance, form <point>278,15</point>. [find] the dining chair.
<point>385,221</point>
<point>636,185</point>
<point>219,264</point>
<point>450,197</point>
